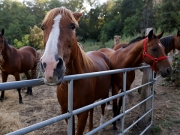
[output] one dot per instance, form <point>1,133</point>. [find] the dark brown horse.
<point>63,56</point>
<point>14,61</point>
<point>142,49</point>
<point>171,42</point>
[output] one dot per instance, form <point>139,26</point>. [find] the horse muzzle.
<point>166,72</point>
<point>53,76</point>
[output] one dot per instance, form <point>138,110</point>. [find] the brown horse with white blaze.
<point>142,49</point>
<point>63,56</point>
<point>15,61</point>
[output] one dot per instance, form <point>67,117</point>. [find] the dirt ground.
<point>44,105</point>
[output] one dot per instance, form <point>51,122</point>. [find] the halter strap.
<point>155,60</point>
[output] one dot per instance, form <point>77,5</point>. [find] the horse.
<point>63,56</point>
<point>15,61</point>
<point>170,43</point>
<point>142,49</point>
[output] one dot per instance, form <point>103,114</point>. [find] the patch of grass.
<point>176,120</point>
<point>164,84</point>
<point>166,123</point>
<point>155,130</point>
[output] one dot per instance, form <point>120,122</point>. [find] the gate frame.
<point>71,112</point>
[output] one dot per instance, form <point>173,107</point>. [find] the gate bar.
<point>36,82</point>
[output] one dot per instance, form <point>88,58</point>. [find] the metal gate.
<point>69,115</point>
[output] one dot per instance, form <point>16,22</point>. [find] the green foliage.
<point>103,38</point>
<point>176,69</point>
<point>168,15</point>
<point>155,130</point>
<point>175,76</point>
<point>24,42</point>
<point>99,23</point>
<point>36,37</point>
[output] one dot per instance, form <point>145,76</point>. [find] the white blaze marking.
<point>51,46</point>
<point>160,45</point>
<point>51,49</point>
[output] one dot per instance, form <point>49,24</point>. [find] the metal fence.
<point>69,115</point>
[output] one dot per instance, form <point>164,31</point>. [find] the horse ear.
<point>77,15</point>
<point>160,35</point>
<point>2,31</point>
<point>150,35</point>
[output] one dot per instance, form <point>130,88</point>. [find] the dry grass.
<point>44,105</point>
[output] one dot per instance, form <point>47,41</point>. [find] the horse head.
<point>177,40</point>
<point>58,27</point>
<point>154,54</point>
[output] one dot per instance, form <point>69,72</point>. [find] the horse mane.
<point>49,18</point>
<point>87,61</point>
<point>5,40</point>
<point>167,42</point>
<point>137,39</point>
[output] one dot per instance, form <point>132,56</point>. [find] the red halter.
<point>155,60</point>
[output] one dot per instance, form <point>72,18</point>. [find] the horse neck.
<point>6,52</point>
<point>133,54</point>
<point>167,42</point>
<point>77,63</point>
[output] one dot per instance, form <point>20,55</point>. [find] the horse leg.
<point>109,107</point>
<point>82,119</point>
<point>102,114</point>
<point>91,120</point>
<point>4,79</point>
<point>66,120</point>
<point>17,77</point>
<point>115,106</point>
<point>29,89</point>
<point>120,99</point>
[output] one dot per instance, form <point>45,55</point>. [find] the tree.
<point>36,37</point>
<point>25,42</point>
<point>131,16</point>
<point>169,13</point>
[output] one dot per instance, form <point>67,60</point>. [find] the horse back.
<point>116,47</point>
<point>107,51</point>
<point>28,58</point>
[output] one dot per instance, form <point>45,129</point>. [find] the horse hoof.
<point>115,128</point>
<point>1,99</point>
<point>20,102</point>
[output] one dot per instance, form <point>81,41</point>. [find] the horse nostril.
<point>44,64</point>
<point>60,64</point>
<point>50,78</point>
<point>168,70</point>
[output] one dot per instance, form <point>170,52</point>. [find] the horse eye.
<point>154,49</point>
<point>72,26</point>
<point>42,27</point>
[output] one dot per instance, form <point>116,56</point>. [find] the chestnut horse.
<point>63,56</point>
<point>170,43</point>
<point>142,49</point>
<point>14,61</point>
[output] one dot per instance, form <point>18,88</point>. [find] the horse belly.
<point>102,87</point>
<point>83,93</point>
